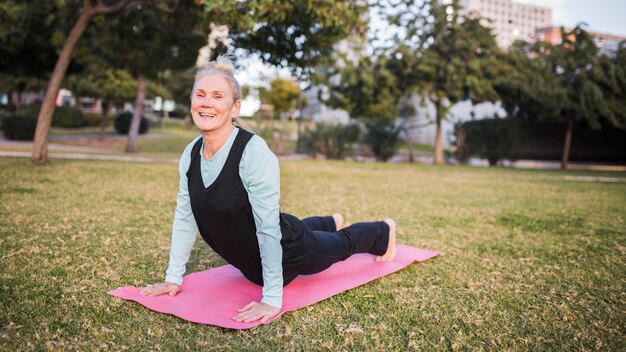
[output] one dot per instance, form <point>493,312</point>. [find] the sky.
<point>604,16</point>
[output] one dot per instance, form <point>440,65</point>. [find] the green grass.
<point>533,261</point>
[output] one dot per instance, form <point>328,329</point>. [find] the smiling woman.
<point>229,191</point>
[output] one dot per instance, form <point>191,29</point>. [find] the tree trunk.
<point>17,101</point>
<point>461,155</point>
<point>104,123</point>
<point>568,140</point>
<point>409,145</point>
<point>132,146</point>
<point>40,143</point>
<point>438,159</point>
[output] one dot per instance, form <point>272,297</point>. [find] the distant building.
<point>508,20</point>
<point>319,112</point>
<point>607,43</point>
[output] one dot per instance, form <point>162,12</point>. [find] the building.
<point>508,20</point>
<point>605,42</point>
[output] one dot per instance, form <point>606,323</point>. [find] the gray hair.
<point>223,67</point>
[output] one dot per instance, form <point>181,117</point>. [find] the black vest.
<point>225,221</point>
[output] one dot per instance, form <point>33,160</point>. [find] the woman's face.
<point>212,103</point>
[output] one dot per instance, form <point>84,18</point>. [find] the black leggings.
<point>330,246</point>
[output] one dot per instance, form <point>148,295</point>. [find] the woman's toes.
<point>391,247</point>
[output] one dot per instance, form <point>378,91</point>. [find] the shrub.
<point>19,127</point>
<point>333,141</point>
<point>93,119</point>
<point>382,139</point>
<point>68,117</point>
<point>123,120</point>
<point>493,139</point>
<point>63,116</point>
<point>3,114</point>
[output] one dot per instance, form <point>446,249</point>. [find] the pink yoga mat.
<point>213,296</point>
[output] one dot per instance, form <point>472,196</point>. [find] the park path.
<point>91,153</point>
<point>78,152</point>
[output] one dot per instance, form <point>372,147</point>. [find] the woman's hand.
<point>160,289</point>
<point>255,311</point>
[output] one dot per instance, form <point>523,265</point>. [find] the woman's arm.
<point>184,227</point>
<point>184,230</point>
<point>260,173</point>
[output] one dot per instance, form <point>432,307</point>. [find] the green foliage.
<point>123,120</point>
<point>569,82</point>
<point>367,90</point>
<point>68,117</point>
<point>283,95</point>
<point>382,139</point>
<point>109,84</point>
<point>64,116</point>
<point>445,57</point>
<point>19,127</point>
<point>28,50</point>
<point>370,93</point>
<point>543,81</point>
<point>295,34</point>
<point>492,139</point>
<point>331,140</point>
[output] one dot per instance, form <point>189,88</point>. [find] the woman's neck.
<point>214,140</point>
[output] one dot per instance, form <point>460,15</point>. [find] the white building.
<point>509,20</point>
<point>422,128</point>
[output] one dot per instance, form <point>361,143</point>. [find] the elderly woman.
<point>229,192</point>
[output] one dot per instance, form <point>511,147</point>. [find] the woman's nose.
<point>205,101</point>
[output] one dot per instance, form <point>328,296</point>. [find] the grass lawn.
<point>534,260</point>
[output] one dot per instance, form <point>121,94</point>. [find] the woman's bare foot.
<point>338,221</point>
<point>391,247</point>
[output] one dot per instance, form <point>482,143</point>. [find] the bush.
<point>93,119</point>
<point>382,139</point>
<point>63,116</point>
<point>68,117</point>
<point>3,114</point>
<point>493,139</point>
<point>123,120</point>
<point>333,141</point>
<point>19,127</point>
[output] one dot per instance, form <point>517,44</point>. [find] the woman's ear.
<point>236,108</point>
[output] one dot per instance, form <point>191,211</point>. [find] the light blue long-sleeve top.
<point>260,174</point>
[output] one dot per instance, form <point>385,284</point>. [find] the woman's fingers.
<point>174,290</point>
<point>247,306</point>
<point>255,311</point>
<point>159,289</point>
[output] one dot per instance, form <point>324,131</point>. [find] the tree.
<point>283,95</point>
<point>443,56</point>
<point>89,10</point>
<point>137,37</point>
<point>287,33</point>
<point>113,86</point>
<point>292,33</point>
<point>370,93</point>
<point>28,44</point>
<point>567,82</point>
